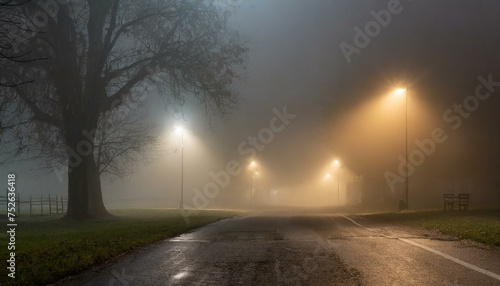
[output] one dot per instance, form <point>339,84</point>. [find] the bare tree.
<point>101,55</point>
<point>13,31</point>
<point>122,141</point>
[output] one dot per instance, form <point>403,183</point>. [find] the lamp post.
<point>337,164</point>
<point>252,172</point>
<point>180,132</point>
<point>329,177</point>
<point>256,185</point>
<point>404,91</point>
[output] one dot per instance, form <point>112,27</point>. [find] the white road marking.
<point>187,240</point>
<point>444,255</point>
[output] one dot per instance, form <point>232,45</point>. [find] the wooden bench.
<point>450,199</point>
<point>463,201</point>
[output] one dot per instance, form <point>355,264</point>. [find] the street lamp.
<point>256,185</point>
<point>404,91</point>
<point>253,172</point>
<point>336,163</point>
<point>179,131</point>
<point>328,176</point>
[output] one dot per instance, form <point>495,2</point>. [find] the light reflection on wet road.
<point>296,249</point>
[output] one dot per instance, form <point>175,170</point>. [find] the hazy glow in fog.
<point>159,182</point>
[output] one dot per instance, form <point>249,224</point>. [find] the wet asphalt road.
<point>285,248</point>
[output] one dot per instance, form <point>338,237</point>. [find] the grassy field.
<point>48,248</point>
<point>479,225</point>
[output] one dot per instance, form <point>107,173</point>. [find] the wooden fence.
<point>37,206</point>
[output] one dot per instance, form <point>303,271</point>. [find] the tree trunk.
<point>78,189</point>
<point>96,205</point>
<point>84,185</point>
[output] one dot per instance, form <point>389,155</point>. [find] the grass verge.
<point>49,249</point>
<point>478,225</point>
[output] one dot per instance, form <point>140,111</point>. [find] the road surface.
<point>302,248</point>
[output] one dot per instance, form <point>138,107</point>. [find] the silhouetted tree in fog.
<point>104,55</point>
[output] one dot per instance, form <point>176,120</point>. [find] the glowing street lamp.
<point>179,131</point>
<point>253,172</point>
<point>400,91</point>
<point>404,91</point>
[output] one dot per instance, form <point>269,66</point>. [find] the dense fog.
<point>318,121</point>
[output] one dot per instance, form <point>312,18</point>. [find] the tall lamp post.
<point>336,163</point>
<point>329,177</point>
<point>253,164</point>
<point>180,132</point>
<point>404,91</point>
<point>256,185</point>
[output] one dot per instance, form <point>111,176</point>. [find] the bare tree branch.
<point>81,105</point>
